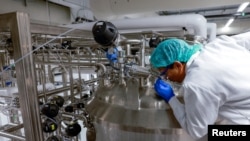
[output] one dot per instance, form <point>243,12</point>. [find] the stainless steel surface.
<point>14,128</point>
<point>19,26</point>
<point>133,113</point>
<point>9,135</point>
<point>130,42</point>
<point>55,30</point>
<point>56,91</point>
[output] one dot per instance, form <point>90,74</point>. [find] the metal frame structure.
<point>21,30</point>
<point>18,25</point>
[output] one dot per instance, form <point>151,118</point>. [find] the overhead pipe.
<point>12,136</point>
<point>195,22</point>
<point>211,31</point>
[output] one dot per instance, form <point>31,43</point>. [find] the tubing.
<point>161,23</point>
<point>211,31</point>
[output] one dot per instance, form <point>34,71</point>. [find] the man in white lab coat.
<point>214,78</point>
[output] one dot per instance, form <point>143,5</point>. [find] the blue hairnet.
<point>171,50</point>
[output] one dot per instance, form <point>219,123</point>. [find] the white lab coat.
<point>216,89</point>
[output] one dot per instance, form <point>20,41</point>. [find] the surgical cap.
<point>171,50</point>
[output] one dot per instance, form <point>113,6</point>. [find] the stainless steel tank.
<point>128,112</point>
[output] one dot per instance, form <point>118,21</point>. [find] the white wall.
<point>39,11</point>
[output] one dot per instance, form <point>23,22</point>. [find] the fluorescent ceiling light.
<point>229,22</point>
<point>243,6</point>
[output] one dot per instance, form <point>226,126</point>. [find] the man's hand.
<point>163,89</point>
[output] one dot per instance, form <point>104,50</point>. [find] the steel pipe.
<point>8,135</point>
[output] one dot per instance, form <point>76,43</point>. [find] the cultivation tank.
<point>128,112</point>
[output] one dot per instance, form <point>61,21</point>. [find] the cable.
<point>26,55</point>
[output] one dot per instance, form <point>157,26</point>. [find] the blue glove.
<point>112,57</point>
<point>163,89</point>
<point>112,54</point>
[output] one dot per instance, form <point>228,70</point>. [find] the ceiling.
<point>220,15</point>
<point>214,11</point>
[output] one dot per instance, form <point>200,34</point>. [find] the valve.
<point>49,125</point>
<point>69,109</point>
<point>53,138</point>
<point>50,110</point>
<point>73,129</point>
<point>58,100</point>
<point>154,41</point>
